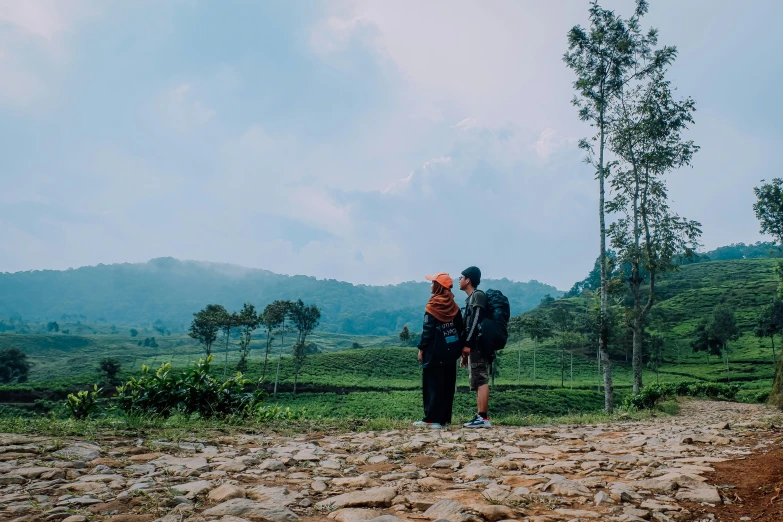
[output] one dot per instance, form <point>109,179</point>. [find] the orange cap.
<point>441,278</point>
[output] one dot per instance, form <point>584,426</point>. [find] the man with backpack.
<point>474,354</point>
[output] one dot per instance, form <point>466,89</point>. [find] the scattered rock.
<point>373,497</point>
<point>559,485</point>
<point>192,489</point>
<point>272,465</point>
<point>80,451</point>
<point>251,510</point>
<point>226,492</point>
<point>353,514</point>
<point>493,513</point>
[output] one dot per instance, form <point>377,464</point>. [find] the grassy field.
<point>382,379</point>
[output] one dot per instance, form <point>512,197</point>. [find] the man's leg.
<point>482,399</point>
<point>479,381</point>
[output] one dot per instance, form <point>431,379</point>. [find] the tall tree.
<point>205,326</point>
<point>14,365</point>
<point>247,320</point>
<point>769,212</point>
<point>405,335</point>
<point>769,323</point>
<point>702,340</point>
<point>272,317</point>
<point>603,58</point>
<point>646,136</point>
<point>304,318</point>
<point>110,367</point>
<point>723,329</point>
<point>283,308</point>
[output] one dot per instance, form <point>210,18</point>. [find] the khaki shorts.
<point>479,370</point>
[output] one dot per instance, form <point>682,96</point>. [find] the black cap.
<point>474,274</point>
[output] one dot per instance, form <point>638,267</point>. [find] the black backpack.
<point>494,327</point>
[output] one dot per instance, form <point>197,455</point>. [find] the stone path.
<point>653,470</point>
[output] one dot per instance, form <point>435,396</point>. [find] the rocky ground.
<point>702,464</point>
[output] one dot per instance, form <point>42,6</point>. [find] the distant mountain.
<point>169,290</point>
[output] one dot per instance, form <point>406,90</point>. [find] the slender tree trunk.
<point>638,333</point>
<point>519,364</point>
<point>773,348</point>
<point>296,378</point>
<point>776,396</point>
<point>228,335</point>
<point>604,327</point>
<point>266,355</point>
<point>562,368</point>
<point>726,349</point>
<point>572,370</point>
<point>279,358</point>
<point>535,346</point>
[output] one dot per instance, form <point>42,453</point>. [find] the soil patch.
<point>423,460</point>
<point>751,487</point>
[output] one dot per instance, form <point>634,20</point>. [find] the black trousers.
<point>438,386</point>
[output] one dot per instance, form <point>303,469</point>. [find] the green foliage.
<point>52,326</point>
<point>304,318</point>
<point>134,332</point>
<point>14,366</point>
<point>247,320</point>
<point>769,208</point>
<point>405,335</point>
<point>276,412</point>
<point>110,367</point>
<point>649,396</point>
<point>193,390</point>
<point>206,324</point>
<point>83,403</point>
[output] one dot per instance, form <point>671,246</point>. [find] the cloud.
<point>37,18</point>
<point>466,124</point>
<point>547,143</point>
<point>182,109</point>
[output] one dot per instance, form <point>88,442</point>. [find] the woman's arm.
<point>427,335</point>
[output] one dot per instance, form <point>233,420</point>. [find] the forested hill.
<point>170,290</point>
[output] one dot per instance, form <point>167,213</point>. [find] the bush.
<point>82,404</point>
<point>651,395</point>
<point>275,412</point>
<point>193,390</point>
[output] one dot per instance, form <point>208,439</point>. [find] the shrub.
<point>193,390</point>
<point>82,404</point>
<point>651,395</point>
<point>275,412</point>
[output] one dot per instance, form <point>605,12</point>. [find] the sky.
<point>366,141</point>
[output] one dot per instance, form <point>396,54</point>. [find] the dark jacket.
<point>475,311</point>
<point>437,335</point>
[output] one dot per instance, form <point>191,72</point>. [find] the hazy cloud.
<point>367,141</point>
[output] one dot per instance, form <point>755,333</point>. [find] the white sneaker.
<point>422,424</point>
<point>478,422</point>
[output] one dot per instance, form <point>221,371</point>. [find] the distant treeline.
<point>758,250</point>
<point>168,290</point>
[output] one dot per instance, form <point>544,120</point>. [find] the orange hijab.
<point>442,305</point>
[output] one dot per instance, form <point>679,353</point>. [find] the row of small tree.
<point>277,319</point>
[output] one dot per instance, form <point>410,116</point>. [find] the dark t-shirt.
<point>475,309</point>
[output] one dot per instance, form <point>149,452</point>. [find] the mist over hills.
<point>170,290</point>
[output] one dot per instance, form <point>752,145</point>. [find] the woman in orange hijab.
<point>439,350</point>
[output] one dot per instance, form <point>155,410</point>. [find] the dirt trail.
<point>714,461</point>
